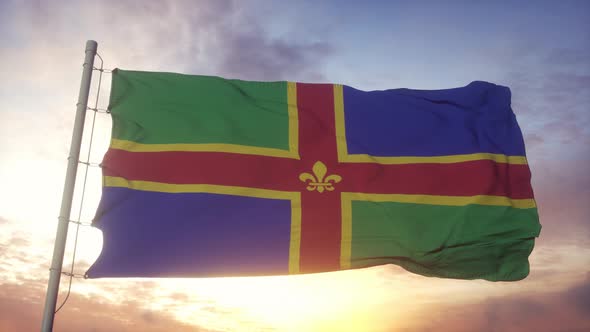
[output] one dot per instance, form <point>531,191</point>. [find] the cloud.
<point>250,54</point>
<point>21,308</point>
<point>551,94</point>
<point>566,310</point>
<point>17,262</point>
<point>207,37</point>
<point>567,57</point>
<point>562,190</point>
<point>19,240</point>
<point>218,38</point>
<point>277,60</point>
<point>533,140</point>
<point>579,296</point>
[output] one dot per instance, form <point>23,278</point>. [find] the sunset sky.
<point>540,49</point>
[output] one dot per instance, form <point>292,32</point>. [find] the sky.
<point>540,49</point>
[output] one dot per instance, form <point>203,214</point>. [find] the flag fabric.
<point>207,176</point>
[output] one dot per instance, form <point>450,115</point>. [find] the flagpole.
<point>68,193</point>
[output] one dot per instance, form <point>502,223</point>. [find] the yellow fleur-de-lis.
<point>317,180</point>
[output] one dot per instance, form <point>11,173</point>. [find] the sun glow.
<point>340,301</point>
<point>377,299</point>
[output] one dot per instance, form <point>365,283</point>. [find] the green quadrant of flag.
<point>169,108</point>
<point>472,241</point>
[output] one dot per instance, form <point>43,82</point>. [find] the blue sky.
<point>540,49</point>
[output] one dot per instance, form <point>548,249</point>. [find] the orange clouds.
<point>567,310</point>
<point>21,308</point>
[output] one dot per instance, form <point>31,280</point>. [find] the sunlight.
<point>339,301</point>
<point>290,303</point>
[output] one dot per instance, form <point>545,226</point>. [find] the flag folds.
<point>207,176</point>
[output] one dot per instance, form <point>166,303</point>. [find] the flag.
<point>207,176</point>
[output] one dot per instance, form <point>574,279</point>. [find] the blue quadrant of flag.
<point>404,122</point>
<point>158,234</point>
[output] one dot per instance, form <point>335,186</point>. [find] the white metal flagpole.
<point>68,194</point>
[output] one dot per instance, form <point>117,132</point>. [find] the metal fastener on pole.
<point>68,193</point>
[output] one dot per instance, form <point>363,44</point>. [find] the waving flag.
<point>208,176</point>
